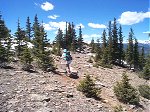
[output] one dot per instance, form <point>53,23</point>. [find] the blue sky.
<point>92,15</point>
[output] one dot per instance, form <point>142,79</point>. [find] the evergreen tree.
<point>129,51</point>
<point>98,51</point>
<point>104,49</point>
<point>110,43</point>
<point>73,38</point>
<point>125,92</point>
<point>141,59</point>
<point>5,43</point>
<point>92,45</point>
<point>26,58</point>
<point>104,41</point>
<point>121,51</point>
<point>136,55</point>
<point>115,41</point>
<point>45,60</point>
<point>87,87</point>
<point>80,40</point>
<point>20,37</point>
<point>58,42</point>
<point>37,40</point>
<point>28,29</point>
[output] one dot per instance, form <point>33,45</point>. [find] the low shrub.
<point>87,87</point>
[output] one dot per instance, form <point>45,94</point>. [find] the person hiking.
<point>67,58</point>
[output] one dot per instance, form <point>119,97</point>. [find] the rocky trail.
<point>21,91</point>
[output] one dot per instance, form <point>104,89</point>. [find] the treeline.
<point>34,34</point>
<point>111,49</point>
<point>69,40</point>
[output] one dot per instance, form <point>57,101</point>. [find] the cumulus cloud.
<point>53,16</point>
<point>78,25</point>
<point>93,25</point>
<point>47,6</point>
<point>130,18</point>
<point>48,27</point>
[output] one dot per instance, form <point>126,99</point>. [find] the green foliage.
<point>5,53</point>
<point>125,92</point>
<point>118,108</point>
<point>129,51</point>
<point>45,62</point>
<point>87,87</point>
<point>146,70</point>
<point>26,59</point>
<point>144,91</point>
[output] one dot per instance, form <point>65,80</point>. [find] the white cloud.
<point>129,18</point>
<point>147,32</point>
<point>47,6</point>
<point>91,36</point>
<point>78,25</point>
<point>48,27</point>
<point>53,16</point>
<point>93,25</point>
<point>56,25</point>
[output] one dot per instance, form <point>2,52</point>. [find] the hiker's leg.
<point>68,68</point>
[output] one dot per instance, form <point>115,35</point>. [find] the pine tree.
<point>129,51</point>
<point>120,45</point>
<point>110,43</point>
<point>98,51</point>
<point>58,42</point>
<point>28,29</point>
<point>136,54</point>
<point>26,58</point>
<point>87,87</point>
<point>141,59</point>
<point>37,40</point>
<point>104,59</point>
<point>45,60</point>
<point>115,41</point>
<point>92,45</point>
<point>125,92</point>
<point>104,41</point>
<point>20,37</point>
<point>73,38</point>
<point>5,43</point>
<point>80,40</point>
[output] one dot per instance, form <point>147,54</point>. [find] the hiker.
<point>67,58</point>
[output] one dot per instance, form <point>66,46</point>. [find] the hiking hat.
<point>65,50</point>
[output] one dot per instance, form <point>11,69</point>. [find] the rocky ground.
<point>21,91</point>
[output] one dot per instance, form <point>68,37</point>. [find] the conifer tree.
<point>129,51</point>
<point>115,41</point>
<point>58,42</point>
<point>26,58</point>
<point>92,45</point>
<point>20,36</point>
<point>141,59</point>
<point>98,51</point>
<point>37,40</point>
<point>104,41</point>
<point>73,38</point>
<point>121,51</point>
<point>125,92</point>
<point>80,40</point>
<point>28,29</point>
<point>136,54</point>
<point>5,43</point>
<point>110,43</point>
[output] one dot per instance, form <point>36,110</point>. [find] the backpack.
<point>68,56</point>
